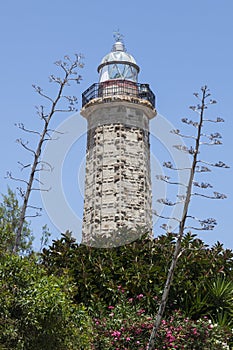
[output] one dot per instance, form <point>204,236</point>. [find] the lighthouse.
<point>118,110</point>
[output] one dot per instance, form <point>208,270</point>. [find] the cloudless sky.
<point>179,46</point>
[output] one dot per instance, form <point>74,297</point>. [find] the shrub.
<point>125,325</point>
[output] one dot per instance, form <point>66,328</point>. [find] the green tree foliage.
<point>37,311</point>
<point>141,267</point>
<point>9,220</point>
<point>61,299</point>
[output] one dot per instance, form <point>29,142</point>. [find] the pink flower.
<point>141,311</point>
<point>140,296</point>
<point>116,334</point>
<point>111,307</point>
<point>195,332</point>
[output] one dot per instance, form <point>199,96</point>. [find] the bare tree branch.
<point>21,191</point>
<point>216,195</point>
<point>202,169</point>
<point>167,178</point>
<point>215,142</point>
<point>219,164</point>
<point>218,120</point>
<point>24,145</point>
<point>34,207</point>
<point>37,180</point>
<point>177,132</point>
<point>186,149</point>
<point>69,109</point>
<point>33,216</point>
<point>22,127</point>
<point>23,166</point>
<point>202,184</point>
<point>164,217</point>
<point>43,163</point>
<point>10,176</point>
<point>189,122</point>
<point>169,165</point>
<point>166,202</point>
<point>205,224</point>
<point>70,74</point>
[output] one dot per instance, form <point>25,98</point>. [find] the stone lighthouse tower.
<point>118,180</point>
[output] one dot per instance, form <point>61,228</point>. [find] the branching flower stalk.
<point>187,198</point>
<point>70,75</point>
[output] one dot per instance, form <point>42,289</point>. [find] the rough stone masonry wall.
<point>117,184</point>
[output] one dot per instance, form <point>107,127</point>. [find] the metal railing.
<point>118,87</point>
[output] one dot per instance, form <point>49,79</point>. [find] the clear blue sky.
<point>179,45</point>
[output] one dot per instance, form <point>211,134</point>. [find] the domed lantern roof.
<point>118,64</point>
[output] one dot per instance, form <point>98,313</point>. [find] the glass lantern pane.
<point>113,72</point>
<point>118,71</point>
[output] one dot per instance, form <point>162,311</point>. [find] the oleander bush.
<point>126,326</point>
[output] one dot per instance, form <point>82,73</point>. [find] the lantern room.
<point>118,76</point>
<point>118,64</point>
